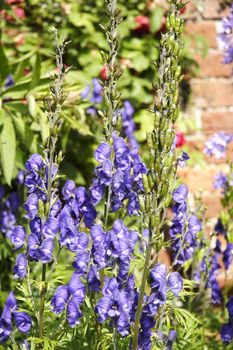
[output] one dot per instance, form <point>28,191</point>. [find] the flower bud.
<point>178,23</point>
<point>147,203</point>
<point>141,200</point>
<point>157,118</point>
<point>145,183</point>
<point>151,180</point>
<point>172,20</point>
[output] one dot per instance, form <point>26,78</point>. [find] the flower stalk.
<point>53,114</point>
<point>160,179</point>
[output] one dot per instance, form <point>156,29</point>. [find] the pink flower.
<point>143,25</point>
<point>19,12</point>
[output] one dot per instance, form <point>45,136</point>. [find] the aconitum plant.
<point>88,272</point>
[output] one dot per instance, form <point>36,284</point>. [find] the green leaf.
<point>36,72</point>
<point>8,148</point>
<point>4,71</point>
<point>156,19</point>
<point>31,105</point>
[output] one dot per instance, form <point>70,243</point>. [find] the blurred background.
<point>26,54</point>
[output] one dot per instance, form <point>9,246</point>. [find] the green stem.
<point>141,295</point>
<point>42,302</point>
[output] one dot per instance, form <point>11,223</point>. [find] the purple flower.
<point>23,321</point>
<point>217,145</point>
<point>225,37</point>
<point>33,246</point>
<point>50,227</point>
<point>5,330</point>
<point>46,250</point>
<point>194,224</point>
<point>68,189</point>
<point>81,263</point>
<point>180,194</point>
<point>93,279</point>
<point>228,255</point>
<point>18,237</point>
<point>60,299</point>
<point>97,92</point>
<point>128,124</point>
<point>229,306</point>
<point>35,163</point>
<point>31,205</point>
<point>73,311</point>
<point>20,266</point>
<point>220,181</point>
<point>9,81</point>
<point>175,283</point>
<point>76,287</point>
<point>102,152</point>
<point>227,333</point>
<point>183,159</point>
<point>85,92</point>
<point>6,317</point>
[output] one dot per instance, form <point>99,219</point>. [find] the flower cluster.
<point>118,304</point>
<point>161,283</point>
<point>121,170</point>
<point>184,228</point>
<point>113,248</point>
<point>225,37</point>
<point>70,296</point>
<point>227,328</point>
<point>217,145</point>
<point>22,320</point>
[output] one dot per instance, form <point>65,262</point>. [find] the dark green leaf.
<point>8,149</point>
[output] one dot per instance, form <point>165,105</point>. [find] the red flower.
<point>103,74</point>
<point>180,139</point>
<point>183,10</point>
<point>19,12</point>
<point>143,25</point>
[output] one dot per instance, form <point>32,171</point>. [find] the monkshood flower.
<point>18,236</point>
<point>115,304</point>
<point>71,297</point>
<point>225,37</point>
<point>94,95</point>
<point>217,145</point>
<point>227,329</point>
<point>9,206</point>
<point>123,175</point>
<point>168,340</point>
<point>220,181</point>
<point>183,159</point>
<point>212,282</point>
<point>184,228</point>
<point>113,248</point>
<point>128,124</point>
<point>219,228</point>
<point>20,266</point>
<point>22,320</point>
<point>160,283</point>
<point>9,81</point>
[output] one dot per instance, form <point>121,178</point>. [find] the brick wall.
<point>211,104</point>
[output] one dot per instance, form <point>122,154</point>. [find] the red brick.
<point>217,93</point>
<point>217,121</point>
<point>212,66</point>
<point>202,178</point>
<point>214,10</point>
<point>206,29</point>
